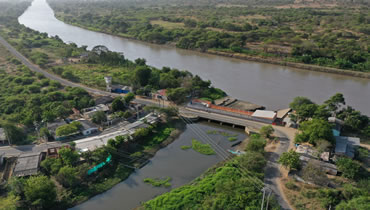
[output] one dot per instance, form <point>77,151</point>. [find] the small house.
<point>27,164</point>
<point>89,112</point>
<point>264,114</point>
<point>88,127</point>
<point>338,124</point>
<point>104,100</point>
<point>345,146</point>
<point>3,138</point>
<point>281,115</point>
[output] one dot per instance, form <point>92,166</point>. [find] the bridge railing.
<point>231,114</point>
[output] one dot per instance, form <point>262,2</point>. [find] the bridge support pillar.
<point>220,123</point>
<point>233,126</point>
<point>209,121</point>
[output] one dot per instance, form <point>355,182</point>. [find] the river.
<point>270,85</point>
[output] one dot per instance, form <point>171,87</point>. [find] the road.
<point>272,168</point>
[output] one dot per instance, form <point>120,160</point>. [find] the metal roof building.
<point>27,164</point>
<point>346,145</point>
<point>271,115</point>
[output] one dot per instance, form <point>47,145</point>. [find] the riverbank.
<point>240,56</point>
<point>117,173</point>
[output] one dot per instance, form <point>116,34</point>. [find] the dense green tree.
<point>67,176</point>
<point>313,131</point>
<point>68,156</point>
<point>51,165</point>
<point>99,117</point>
<point>68,129</point>
<point>129,97</point>
<point>177,95</point>
<point>290,159</point>
<point>335,102</point>
<point>350,168</point>
<point>252,161</point>
<point>142,75</point>
<point>304,108</point>
<point>266,131</point>
<point>40,191</point>
<point>359,203</point>
<point>256,143</point>
<point>14,134</point>
<point>118,105</point>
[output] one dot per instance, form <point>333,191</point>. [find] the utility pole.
<point>268,199</point>
<point>263,198</point>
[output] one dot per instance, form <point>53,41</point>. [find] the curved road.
<point>272,172</point>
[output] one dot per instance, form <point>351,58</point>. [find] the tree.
<point>349,168</point>
<point>313,173</point>
<point>40,191</point>
<point>68,129</point>
<point>252,161</point>
<point>44,132</point>
<point>67,176</point>
<point>9,202</point>
<point>335,102</point>
<point>99,117</point>
<point>118,105</point>
<point>304,108</point>
<point>68,156</point>
<point>314,130</point>
<point>358,203</point>
<point>177,95</point>
<point>290,159</point>
<point>256,143</point>
<point>266,131</point>
<point>142,75</point>
<point>129,97</point>
<point>51,165</point>
<point>14,134</point>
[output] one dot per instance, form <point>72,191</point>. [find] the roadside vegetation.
<point>337,37</point>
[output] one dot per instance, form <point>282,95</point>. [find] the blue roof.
<point>336,132</point>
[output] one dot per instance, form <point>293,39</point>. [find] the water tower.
<point>108,81</point>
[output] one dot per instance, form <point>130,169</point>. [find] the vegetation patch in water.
<point>223,133</point>
<point>204,149</point>
<point>157,182</point>
<point>185,147</point>
<point>232,138</point>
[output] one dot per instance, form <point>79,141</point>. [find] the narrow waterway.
<point>269,85</point>
<point>181,165</point>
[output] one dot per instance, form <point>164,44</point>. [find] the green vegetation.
<point>290,160</point>
<point>185,147</point>
<point>204,149</point>
<point>328,36</point>
<point>223,133</point>
<point>221,187</point>
<point>232,138</point>
<point>256,143</point>
<point>159,182</point>
<point>68,129</point>
<point>314,124</point>
<point>266,131</point>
